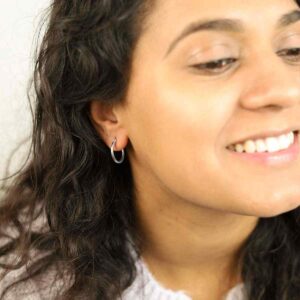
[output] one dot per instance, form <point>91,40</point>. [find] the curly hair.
<point>70,208</point>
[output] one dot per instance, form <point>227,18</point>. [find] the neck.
<point>185,245</point>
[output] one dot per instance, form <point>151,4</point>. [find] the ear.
<point>107,120</point>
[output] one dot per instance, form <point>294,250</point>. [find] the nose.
<point>271,84</point>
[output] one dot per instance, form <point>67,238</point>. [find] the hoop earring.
<point>113,154</point>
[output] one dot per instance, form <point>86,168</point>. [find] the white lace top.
<point>146,287</point>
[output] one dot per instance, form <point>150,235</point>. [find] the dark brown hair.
<point>71,180</point>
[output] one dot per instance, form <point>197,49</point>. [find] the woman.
<point>165,155</point>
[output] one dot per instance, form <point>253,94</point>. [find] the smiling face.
<point>181,114</point>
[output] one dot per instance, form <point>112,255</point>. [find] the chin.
<point>273,210</point>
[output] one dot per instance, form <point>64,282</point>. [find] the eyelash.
<point>217,66</point>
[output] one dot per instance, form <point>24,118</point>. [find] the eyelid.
<point>290,43</point>
<point>286,37</point>
<point>216,72</point>
<point>218,49</point>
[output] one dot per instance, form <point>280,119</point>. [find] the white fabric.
<point>146,287</point>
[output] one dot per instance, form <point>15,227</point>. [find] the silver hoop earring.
<point>113,154</point>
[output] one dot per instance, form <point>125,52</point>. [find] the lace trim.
<point>147,287</point>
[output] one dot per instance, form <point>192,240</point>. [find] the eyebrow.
<point>229,25</point>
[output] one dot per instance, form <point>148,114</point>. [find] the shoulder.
<point>238,292</point>
<point>23,290</point>
<point>41,287</point>
<point>15,284</point>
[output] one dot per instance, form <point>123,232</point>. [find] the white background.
<point>19,21</point>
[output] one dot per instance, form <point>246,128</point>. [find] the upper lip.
<point>265,134</point>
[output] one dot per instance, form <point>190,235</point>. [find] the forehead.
<point>170,18</point>
<point>214,6</point>
<point>173,15</point>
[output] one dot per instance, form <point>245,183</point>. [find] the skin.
<point>196,202</point>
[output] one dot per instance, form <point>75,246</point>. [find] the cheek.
<point>179,130</point>
<point>190,115</point>
<point>182,126</point>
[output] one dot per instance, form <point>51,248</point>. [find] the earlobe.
<point>107,124</point>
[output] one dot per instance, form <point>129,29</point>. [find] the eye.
<point>293,54</point>
<point>216,66</point>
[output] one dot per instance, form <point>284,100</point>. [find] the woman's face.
<point>180,119</point>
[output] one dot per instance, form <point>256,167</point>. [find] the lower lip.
<point>273,158</point>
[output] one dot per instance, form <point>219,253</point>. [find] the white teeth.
<point>239,148</point>
<point>270,144</point>
<point>260,146</point>
<point>285,141</point>
<point>249,146</point>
